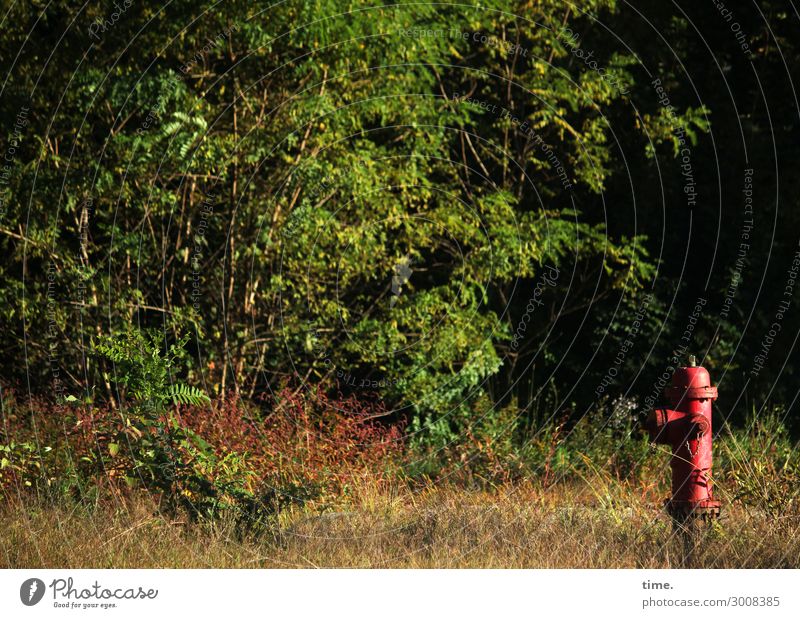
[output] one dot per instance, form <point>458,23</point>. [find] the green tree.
<point>356,194</point>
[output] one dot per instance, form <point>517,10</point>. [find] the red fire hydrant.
<point>686,427</point>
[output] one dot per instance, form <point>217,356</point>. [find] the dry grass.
<point>514,526</point>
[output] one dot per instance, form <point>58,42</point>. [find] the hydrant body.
<point>686,426</point>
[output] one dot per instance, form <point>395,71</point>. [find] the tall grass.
<point>514,526</point>
<point>327,482</point>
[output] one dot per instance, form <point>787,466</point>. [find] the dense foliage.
<point>491,219</point>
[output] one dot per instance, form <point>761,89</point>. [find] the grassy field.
<point>324,488</point>
<point>513,526</point>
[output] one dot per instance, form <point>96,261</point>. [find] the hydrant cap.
<point>691,377</point>
<point>691,383</point>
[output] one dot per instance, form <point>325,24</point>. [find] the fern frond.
<point>187,395</point>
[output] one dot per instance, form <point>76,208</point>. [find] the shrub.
<point>609,438</point>
<point>148,427</point>
<point>308,446</point>
<point>475,443</point>
<point>297,447</point>
<point>485,444</point>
